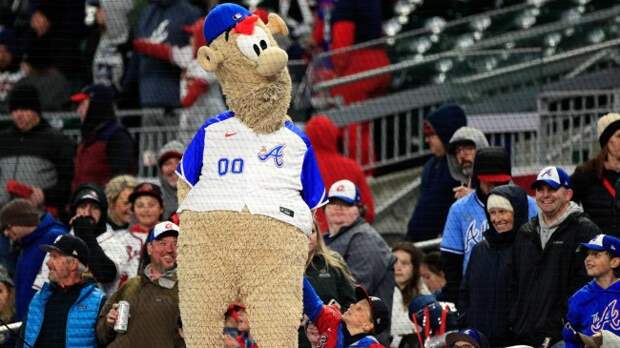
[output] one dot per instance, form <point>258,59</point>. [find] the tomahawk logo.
<point>473,235</point>
<point>610,318</point>
<point>276,152</point>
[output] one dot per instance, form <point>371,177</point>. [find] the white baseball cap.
<point>163,229</point>
<point>344,190</point>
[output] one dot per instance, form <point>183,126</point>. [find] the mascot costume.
<point>248,182</point>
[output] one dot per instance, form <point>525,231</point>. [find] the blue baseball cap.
<point>603,242</point>
<point>344,190</point>
<point>471,336</point>
<point>221,18</point>
<point>554,177</point>
<point>163,229</point>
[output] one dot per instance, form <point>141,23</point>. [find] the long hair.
<point>7,313</point>
<point>331,258</point>
<point>410,290</point>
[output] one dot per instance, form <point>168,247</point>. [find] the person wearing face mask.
<point>153,298</point>
<point>484,300</point>
<point>467,218</point>
<point>547,267</point>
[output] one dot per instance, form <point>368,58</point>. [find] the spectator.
<point>7,308</point>
<point>28,228</point>
<point>467,218</point>
<point>106,149</point>
<point>462,150</point>
<point>162,22</point>
<point>591,309</point>
<point>169,157</point>
<point>432,273</point>
<point>485,299</point>
<point>468,338</point>
<point>117,192</point>
<point>323,135</point>
<point>409,285</point>
<point>436,189</point>
<point>547,268</point>
<point>365,252</point>
<point>236,326</point>
<point>10,71</point>
<point>34,153</point>
<point>329,275</point>
<point>148,207</point>
<point>64,312</point>
<point>357,327</point>
<point>112,18</point>
<point>88,210</point>
<point>596,181</point>
<point>153,299</point>
<point>54,89</point>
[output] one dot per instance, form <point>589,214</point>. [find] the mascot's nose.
<point>271,61</point>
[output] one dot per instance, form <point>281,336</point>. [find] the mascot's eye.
<point>253,45</point>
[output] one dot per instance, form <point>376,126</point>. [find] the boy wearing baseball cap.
<point>595,306</point>
<point>356,327</point>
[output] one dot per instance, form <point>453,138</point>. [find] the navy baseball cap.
<point>379,311</point>
<point>554,177</point>
<point>69,245</point>
<point>603,242</point>
<point>344,190</point>
<point>221,18</point>
<point>471,336</point>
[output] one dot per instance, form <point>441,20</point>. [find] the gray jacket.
<point>464,134</point>
<point>369,258</point>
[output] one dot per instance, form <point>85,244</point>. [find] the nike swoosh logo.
<point>229,134</point>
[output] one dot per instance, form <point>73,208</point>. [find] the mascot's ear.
<point>277,25</point>
<point>209,58</point>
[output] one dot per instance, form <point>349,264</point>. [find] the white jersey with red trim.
<point>230,167</point>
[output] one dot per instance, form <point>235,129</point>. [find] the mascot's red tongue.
<point>246,26</point>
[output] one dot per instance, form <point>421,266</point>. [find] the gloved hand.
<point>84,227</point>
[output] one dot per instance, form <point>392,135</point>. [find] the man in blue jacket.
<point>28,229</point>
<point>436,190</point>
<point>64,313</point>
<point>357,327</point>
<point>595,307</point>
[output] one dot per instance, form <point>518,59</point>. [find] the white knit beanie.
<point>606,127</point>
<point>498,202</point>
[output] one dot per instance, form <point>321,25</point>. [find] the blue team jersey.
<point>465,224</point>
<point>230,167</point>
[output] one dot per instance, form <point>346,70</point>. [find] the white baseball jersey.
<point>230,167</point>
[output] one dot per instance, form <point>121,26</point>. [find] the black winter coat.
<point>597,202</point>
<point>485,297</point>
<point>543,280</point>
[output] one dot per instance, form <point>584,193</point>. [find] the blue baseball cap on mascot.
<point>221,18</point>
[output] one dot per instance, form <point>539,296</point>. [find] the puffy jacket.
<point>81,320</point>
<point>328,321</point>
<point>485,292</point>
<point>323,135</point>
<point>30,260</point>
<point>369,258</point>
<point>593,309</point>
<point>543,279</point>
<point>597,202</point>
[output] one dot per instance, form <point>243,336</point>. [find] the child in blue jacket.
<point>595,307</point>
<point>367,317</point>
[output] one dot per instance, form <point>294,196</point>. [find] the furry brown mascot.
<point>249,180</point>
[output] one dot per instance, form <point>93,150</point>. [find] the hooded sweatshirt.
<point>593,309</point>
<point>464,134</point>
<point>547,230</point>
<point>436,195</point>
<point>323,135</point>
<point>485,293</point>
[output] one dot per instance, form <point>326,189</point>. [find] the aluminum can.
<point>123,317</point>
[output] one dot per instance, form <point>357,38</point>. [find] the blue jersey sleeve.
<point>452,238</point>
<point>191,163</point>
<point>312,303</point>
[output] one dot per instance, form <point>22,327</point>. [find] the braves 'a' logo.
<point>276,152</point>
<point>610,318</point>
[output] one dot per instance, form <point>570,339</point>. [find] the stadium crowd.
<point>81,233</point>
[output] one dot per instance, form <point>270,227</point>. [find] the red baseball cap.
<point>499,177</point>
